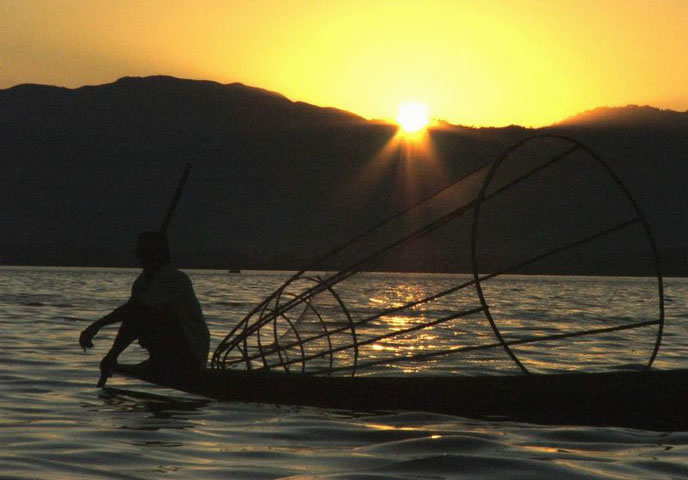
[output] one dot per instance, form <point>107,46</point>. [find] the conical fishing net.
<point>548,205</point>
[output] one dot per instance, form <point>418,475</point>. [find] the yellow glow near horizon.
<point>492,63</point>
<point>413,116</point>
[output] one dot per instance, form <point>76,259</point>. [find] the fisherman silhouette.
<point>165,316</point>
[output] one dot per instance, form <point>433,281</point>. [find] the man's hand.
<point>86,337</point>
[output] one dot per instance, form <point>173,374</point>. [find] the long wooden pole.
<point>175,199</point>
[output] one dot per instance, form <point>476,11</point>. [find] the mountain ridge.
<point>162,83</point>
<point>627,115</point>
<point>275,182</point>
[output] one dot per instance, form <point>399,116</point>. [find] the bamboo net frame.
<point>276,336</point>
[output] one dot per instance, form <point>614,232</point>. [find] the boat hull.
<point>651,400</point>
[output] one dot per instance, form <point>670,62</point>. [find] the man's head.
<point>152,249</point>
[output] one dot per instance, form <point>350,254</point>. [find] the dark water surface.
<point>55,424</point>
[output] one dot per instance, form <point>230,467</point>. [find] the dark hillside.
<point>274,182</point>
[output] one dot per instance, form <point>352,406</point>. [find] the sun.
<point>413,116</point>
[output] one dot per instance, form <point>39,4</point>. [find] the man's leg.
<point>169,352</point>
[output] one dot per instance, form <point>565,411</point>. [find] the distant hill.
<point>275,183</point>
<point>176,105</point>
<point>628,116</point>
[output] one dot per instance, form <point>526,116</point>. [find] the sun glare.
<point>413,116</point>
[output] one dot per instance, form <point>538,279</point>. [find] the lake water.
<point>54,422</point>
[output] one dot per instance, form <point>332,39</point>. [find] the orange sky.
<point>487,63</point>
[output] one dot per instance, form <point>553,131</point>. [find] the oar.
<point>163,228</point>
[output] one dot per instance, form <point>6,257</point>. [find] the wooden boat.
<point>303,345</point>
<point>649,399</point>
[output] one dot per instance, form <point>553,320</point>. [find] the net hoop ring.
<point>646,227</point>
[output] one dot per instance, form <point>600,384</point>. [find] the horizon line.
<point>390,121</point>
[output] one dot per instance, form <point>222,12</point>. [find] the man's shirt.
<point>170,292</point>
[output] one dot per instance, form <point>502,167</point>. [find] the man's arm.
<point>116,316</point>
<point>124,337</point>
<point>127,333</point>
